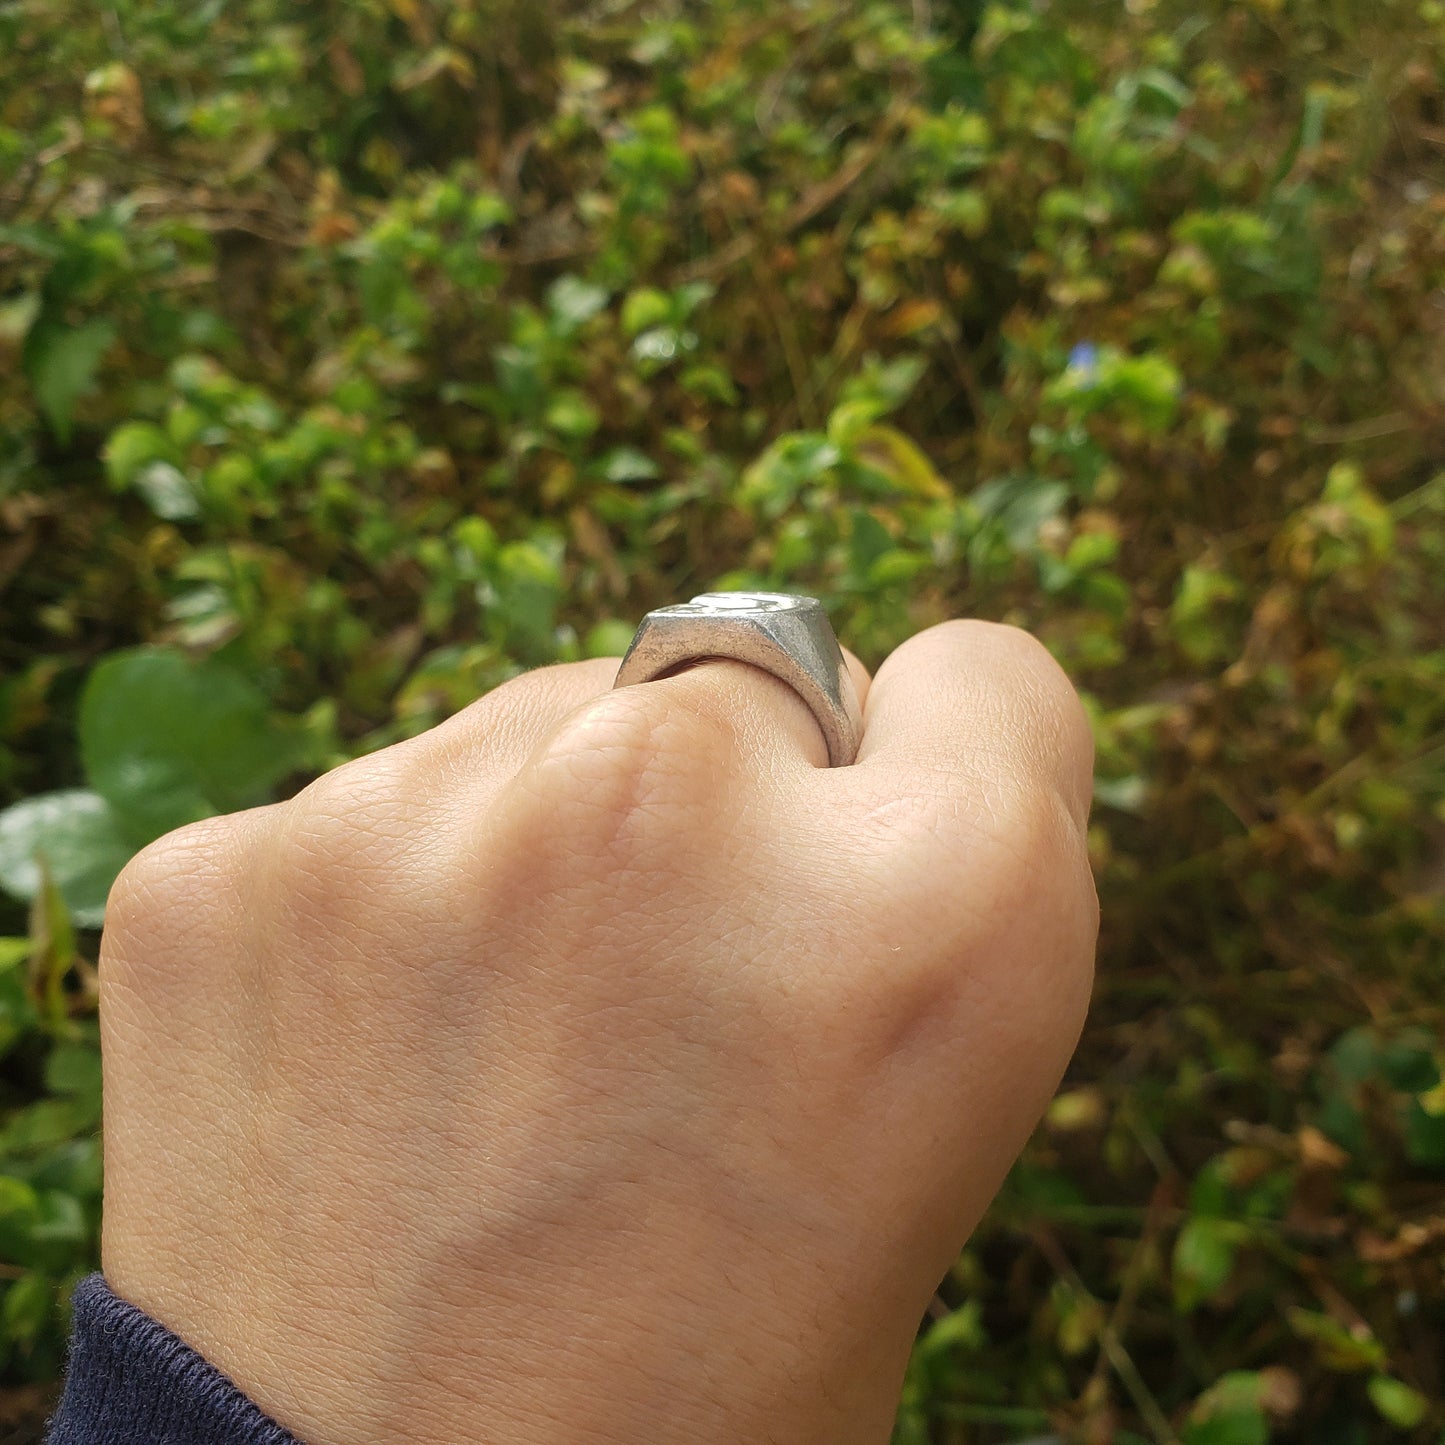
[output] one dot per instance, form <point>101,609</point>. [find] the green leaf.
<point>50,1121</point>
<point>571,415</point>
<point>609,638</point>
<point>1397,1402</point>
<point>19,1211</point>
<point>62,362</point>
<point>574,301</point>
<point>1195,615</point>
<point>1018,507</point>
<point>27,1307</point>
<point>17,1198</point>
<point>795,461</point>
<point>1340,1348</point>
<point>82,843</point>
<point>1203,1260</point>
<point>133,446</point>
<point>850,420</point>
<point>888,453</point>
<point>646,307</point>
<point>13,952</point>
<point>1127,794</point>
<point>959,1331</point>
<point>896,566</point>
<point>167,740</point>
<point>526,589</point>
<point>73,1069</point>
<point>53,929</point>
<point>627,464</point>
<point>1144,388</point>
<point>62,1220</point>
<point>1230,1412</point>
<point>711,383</point>
<point>17,315</point>
<point>17,1009</point>
<point>1425,1130</point>
<point>886,384</point>
<point>168,492</point>
<point>74,1168</point>
<point>38,241</point>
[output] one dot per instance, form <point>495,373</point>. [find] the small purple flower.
<point>1084,359</point>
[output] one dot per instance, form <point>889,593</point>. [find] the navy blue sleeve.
<point>132,1382</point>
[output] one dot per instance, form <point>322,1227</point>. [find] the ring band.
<point>786,635</point>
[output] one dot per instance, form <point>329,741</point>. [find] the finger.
<point>970,802</point>
<point>772,727</point>
<point>981,710</point>
<point>662,777</point>
<point>494,736</point>
<point>450,773</point>
<point>499,731</point>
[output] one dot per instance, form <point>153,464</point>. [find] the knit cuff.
<point>132,1382</point>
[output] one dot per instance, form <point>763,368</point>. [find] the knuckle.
<point>624,769</point>
<point>172,871</point>
<point>501,725</point>
<point>167,898</point>
<point>347,816</point>
<point>357,852</point>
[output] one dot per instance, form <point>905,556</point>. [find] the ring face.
<point>786,635</point>
<point>713,604</point>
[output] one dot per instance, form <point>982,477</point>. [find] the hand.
<point>599,1067</point>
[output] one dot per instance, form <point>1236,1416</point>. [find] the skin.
<point>600,1066</point>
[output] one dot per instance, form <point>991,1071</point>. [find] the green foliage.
<point>1230,1412</point>
<point>50,1164</point>
<point>353,359</point>
<point>62,363</point>
<point>164,740</point>
<point>70,836</point>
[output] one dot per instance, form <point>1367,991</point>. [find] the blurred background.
<point>355,356</point>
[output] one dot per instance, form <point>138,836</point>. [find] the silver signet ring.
<point>783,634</point>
